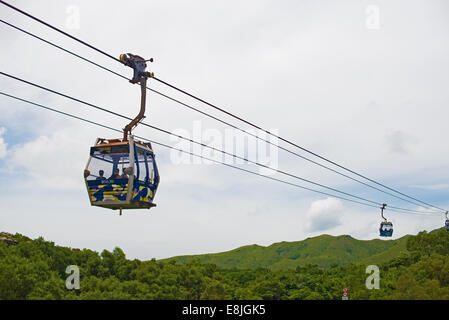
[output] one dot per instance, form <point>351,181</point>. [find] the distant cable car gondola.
<point>446,225</point>
<point>122,173</point>
<point>386,227</point>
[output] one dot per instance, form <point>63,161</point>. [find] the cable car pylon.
<point>122,173</point>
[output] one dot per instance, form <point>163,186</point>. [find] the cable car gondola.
<point>122,173</point>
<point>386,227</point>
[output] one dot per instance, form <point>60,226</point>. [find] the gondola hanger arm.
<point>138,64</point>
<point>382,211</point>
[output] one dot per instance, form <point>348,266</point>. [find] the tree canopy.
<point>36,269</point>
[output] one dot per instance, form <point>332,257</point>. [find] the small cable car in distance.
<point>122,173</point>
<point>386,227</point>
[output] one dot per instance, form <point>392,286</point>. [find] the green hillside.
<point>324,251</point>
<point>36,269</point>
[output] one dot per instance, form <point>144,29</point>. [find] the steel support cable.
<point>190,140</point>
<point>294,144</point>
<point>210,116</point>
<point>59,30</point>
<point>184,151</point>
<point>202,157</point>
<point>221,110</point>
<point>61,48</point>
<point>204,145</point>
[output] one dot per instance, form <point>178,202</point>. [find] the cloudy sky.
<point>361,82</point>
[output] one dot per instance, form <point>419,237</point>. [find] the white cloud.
<point>3,144</point>
<point>400,142</point>
<point>324,214</point>
<point>53,161</point>
<point>312,70</point>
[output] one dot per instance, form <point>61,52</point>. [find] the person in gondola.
<point>101,173</point>
<point>124,175</point>
<point>116,174</point>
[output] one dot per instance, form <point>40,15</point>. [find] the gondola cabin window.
<point>142,167</point>
<point>108,162</point>
<point>151,165</point>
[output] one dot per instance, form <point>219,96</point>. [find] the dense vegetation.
<point>324,251</point>
<point>35,269</point>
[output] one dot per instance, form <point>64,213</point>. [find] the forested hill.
<point>324,251</point>
<point>36,269</point>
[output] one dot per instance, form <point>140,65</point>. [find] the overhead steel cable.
<point>210,116</point>
<point>59,30</point>
<point>200,156</point>
<point>204,145</point>
<point>192,141</point>
<point>294,144</point>
<point>224,111</point>
<point>61,48</point>
<point>181,150</point>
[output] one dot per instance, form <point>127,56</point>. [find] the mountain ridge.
<point>324,250</point>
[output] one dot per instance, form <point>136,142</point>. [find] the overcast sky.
<point>364,83</point>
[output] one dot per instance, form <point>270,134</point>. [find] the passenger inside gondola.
<point>101,175</point>
<point>116,174</point>
<point>124,175</point>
